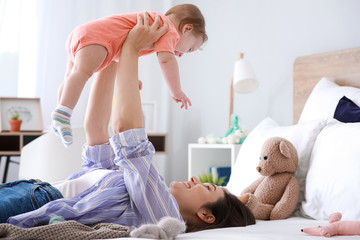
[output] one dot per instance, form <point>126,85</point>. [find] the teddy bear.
<point>335,227</point>
<point>274,195</point>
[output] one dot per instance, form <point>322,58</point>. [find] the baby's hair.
<point>189,14</point>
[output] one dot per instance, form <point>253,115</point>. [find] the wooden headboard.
<point>341,66</point>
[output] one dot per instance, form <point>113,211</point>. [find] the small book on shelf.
<point>219,172</point>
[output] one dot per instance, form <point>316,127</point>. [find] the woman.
<point>119,183</point>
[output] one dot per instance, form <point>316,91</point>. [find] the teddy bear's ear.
<point>284,149</point>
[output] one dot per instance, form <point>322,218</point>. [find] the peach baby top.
<point>111,33</point>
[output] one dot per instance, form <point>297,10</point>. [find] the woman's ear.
<point>206,215</point>
<point>187,28</point>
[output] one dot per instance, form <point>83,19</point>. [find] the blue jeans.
<point>24,196</point>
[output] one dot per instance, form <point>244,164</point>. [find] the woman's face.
<point>192,195</point>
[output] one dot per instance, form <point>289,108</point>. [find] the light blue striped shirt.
<point>131,194</point>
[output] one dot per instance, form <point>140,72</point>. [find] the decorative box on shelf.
<point>11,144</point>
<point>159,140</point>
<point>202,157</point>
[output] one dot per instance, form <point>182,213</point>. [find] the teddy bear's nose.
<point>258,169</point>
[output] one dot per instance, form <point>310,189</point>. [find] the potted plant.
<point>15,123</point>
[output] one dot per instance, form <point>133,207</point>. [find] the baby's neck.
<point>174,21</point>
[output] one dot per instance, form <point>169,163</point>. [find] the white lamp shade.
<point>244,80</point>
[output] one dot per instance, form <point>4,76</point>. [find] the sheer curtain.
<point>9,46</point>
<point>18,41</point>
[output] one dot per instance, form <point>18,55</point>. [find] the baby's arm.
<point>170,69</point>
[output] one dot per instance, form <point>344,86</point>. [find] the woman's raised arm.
<point>127,112</point>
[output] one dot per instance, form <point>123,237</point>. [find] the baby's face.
<point>188,42</point>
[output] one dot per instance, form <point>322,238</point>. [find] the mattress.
<point>287,229</point>
<point>264,230</point>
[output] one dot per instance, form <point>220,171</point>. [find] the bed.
<point>320,81</point>
<point>328,149</point>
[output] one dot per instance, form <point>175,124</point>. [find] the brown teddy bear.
<point>275,194</point>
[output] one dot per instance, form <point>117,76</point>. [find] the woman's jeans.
<point>24,196</point>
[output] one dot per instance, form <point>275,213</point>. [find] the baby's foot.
<point>325,232</point>
<point>61,124</point>
<point>334,217</point>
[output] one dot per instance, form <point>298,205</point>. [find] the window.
<point>16,20</point>
<point>9,46</point>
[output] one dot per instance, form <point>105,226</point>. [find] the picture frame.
<point>28,109</point>
<point>149,113</point>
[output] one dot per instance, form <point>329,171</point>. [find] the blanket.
<point>59,229</point>
<point>71,230</point>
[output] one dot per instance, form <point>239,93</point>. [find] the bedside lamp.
<point>243,81</point>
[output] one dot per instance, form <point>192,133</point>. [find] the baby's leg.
<point>87,61</point>
<point>69,67</point>
<point>68,71</point>
<point>98,111</point>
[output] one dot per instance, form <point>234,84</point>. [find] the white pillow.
<point>333,180</point>
<point>302,136</point>
<point>324,98</point>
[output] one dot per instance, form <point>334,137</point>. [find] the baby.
<point>95,47</point>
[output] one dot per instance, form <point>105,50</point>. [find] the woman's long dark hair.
<point>228,211</point>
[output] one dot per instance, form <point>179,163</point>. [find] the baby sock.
<point>61,124</point>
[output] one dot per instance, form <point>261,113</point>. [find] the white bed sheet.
<point>265,230</point>
<point>287,229</point>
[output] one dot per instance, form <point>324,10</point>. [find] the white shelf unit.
<point>203,156</point>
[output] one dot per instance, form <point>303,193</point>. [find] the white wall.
<point>271,34</point>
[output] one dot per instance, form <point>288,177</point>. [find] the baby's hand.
<point>181,97</point>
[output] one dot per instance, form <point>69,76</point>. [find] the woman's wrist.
<point>129,46</point>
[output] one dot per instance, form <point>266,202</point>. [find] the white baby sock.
<point>61,124</point>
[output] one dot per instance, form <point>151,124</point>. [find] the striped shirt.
<point>131,193</point>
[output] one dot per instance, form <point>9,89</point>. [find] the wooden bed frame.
<point>341,66</point>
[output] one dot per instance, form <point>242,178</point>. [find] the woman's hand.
<point>143,35</point>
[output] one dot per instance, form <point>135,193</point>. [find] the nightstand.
<point>11,144</point>
<point>203,156</point>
